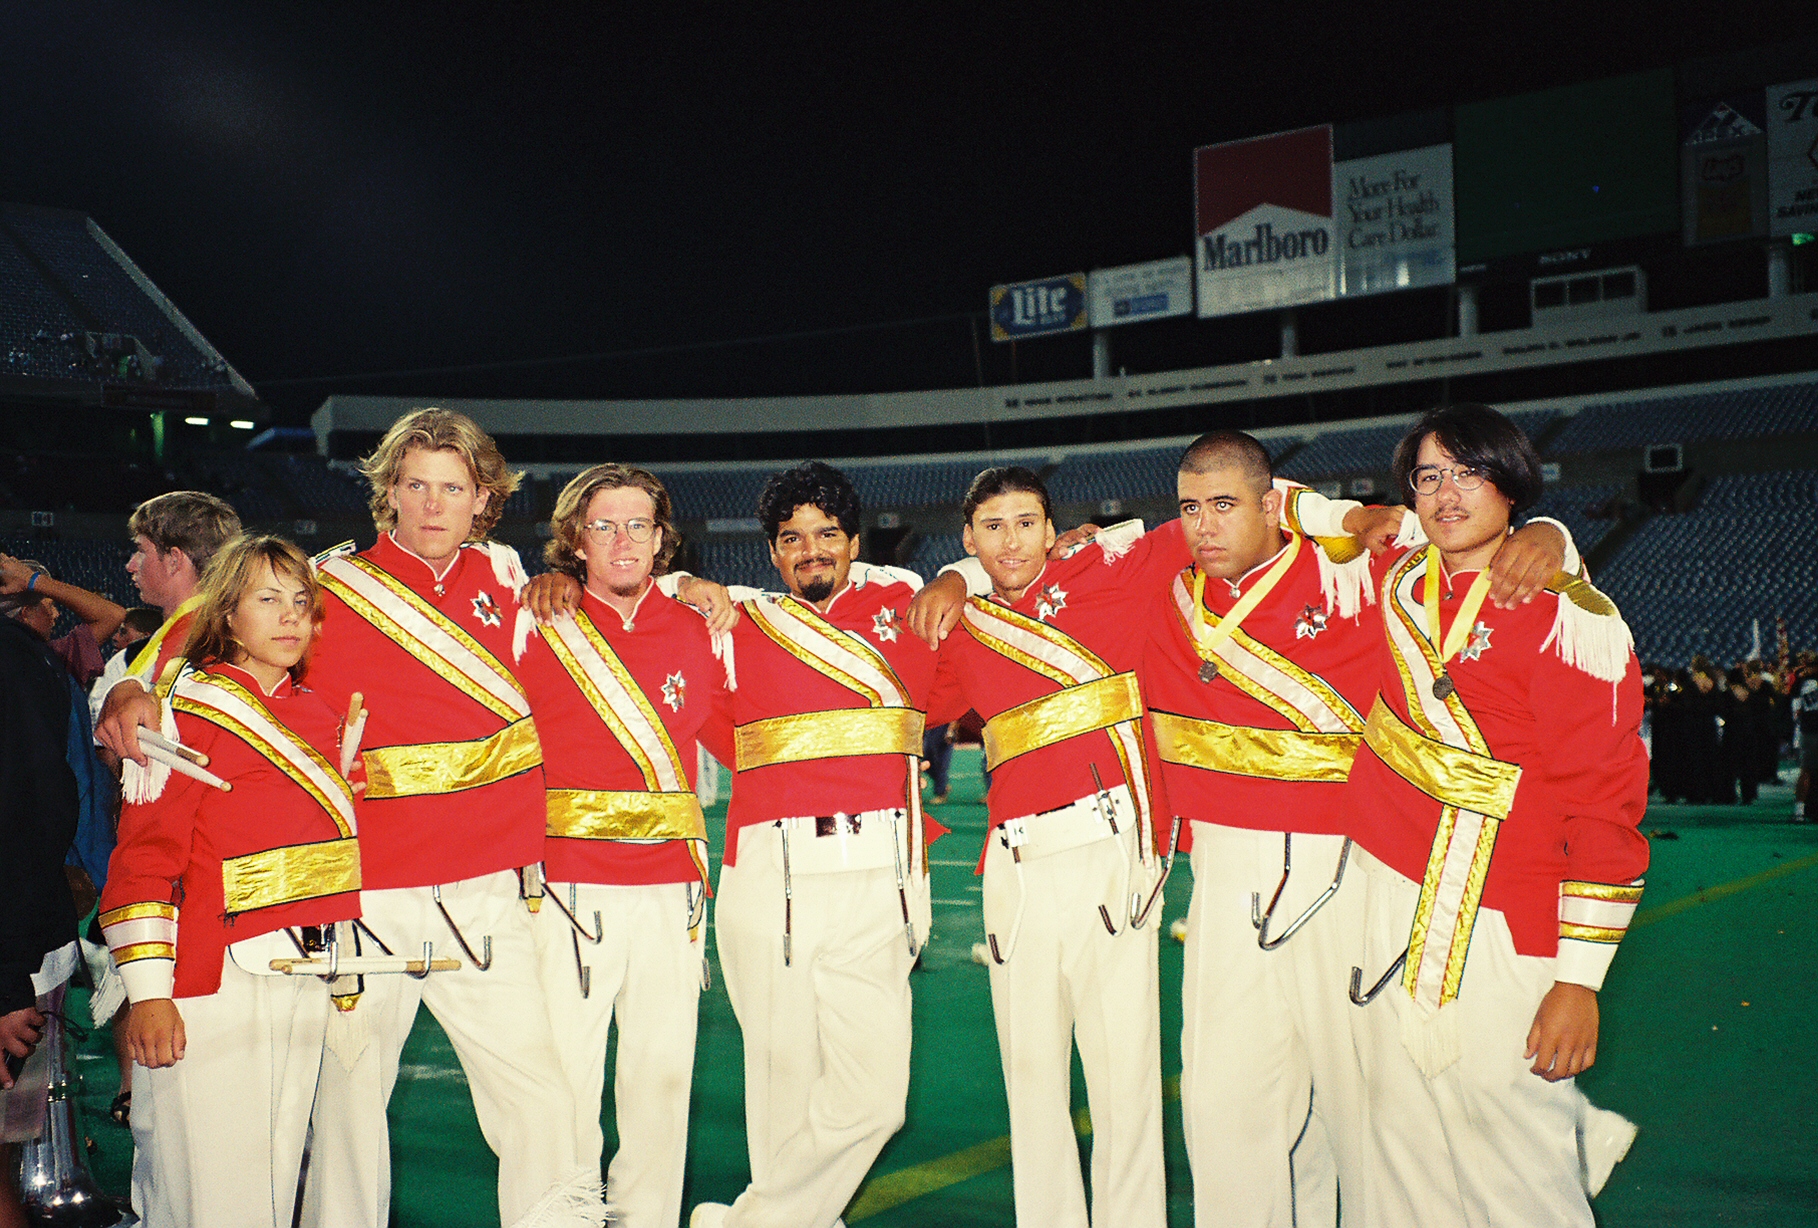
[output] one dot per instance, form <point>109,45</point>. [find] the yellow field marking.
<point>1685,903</point>
<point>882,1193</point>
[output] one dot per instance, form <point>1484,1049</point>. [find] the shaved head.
<point>1217,450</point>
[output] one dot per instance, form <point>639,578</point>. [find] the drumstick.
<point>151,737</point>
<point>352,731</point>
<point>177,763</point>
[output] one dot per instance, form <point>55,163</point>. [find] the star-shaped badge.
<point>675,691</point>
<point>1478,644</point>
<point>1051,601</point>
<point>1311,622</point>
<point>487,610</point>
<point>885,624</point>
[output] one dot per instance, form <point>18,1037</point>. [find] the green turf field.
<point>1708,1044</point>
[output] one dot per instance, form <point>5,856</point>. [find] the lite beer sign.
<point>1036,308</point>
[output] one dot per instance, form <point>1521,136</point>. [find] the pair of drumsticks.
<point>193,763</point>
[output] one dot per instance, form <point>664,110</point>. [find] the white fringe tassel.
<point>520,634</point>
<point>1346,586</point>
<point>722,648</point>
<point>1598,644</point>
<point>575,1203</point>
<point>146,784</point>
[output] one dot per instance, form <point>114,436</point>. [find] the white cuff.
<point>969,569</point>
<point>1312,514</point>
<point>881,573</point>
<point>1582,962</point>
<point>147,979</point>
<point>669,583</point>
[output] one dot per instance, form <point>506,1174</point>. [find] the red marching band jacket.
<point>621,803</point>
<point>1524,773</point>
<point>769,718</point>
<point>454,769</point>
<point>1041,760</point>
<point>197,869</point>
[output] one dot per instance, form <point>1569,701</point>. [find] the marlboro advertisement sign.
<point>1266,236</point>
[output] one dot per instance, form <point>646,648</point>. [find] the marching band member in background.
<point>174,537</point>
<point>207,887</point>
<point>1496,801</point>
<point>621,688</point>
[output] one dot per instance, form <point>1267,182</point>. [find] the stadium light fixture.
<point>241,424</point>
<point>195,421</point>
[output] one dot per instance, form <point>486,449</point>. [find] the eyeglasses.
<point>638,531</point>
<point>1427,479</point>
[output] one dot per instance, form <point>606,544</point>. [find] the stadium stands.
<point>98,566</point>
<point>937,483</point>
<point>1731,414</point>
<point>1368,450</point>
<point>318,487</point>
<point>1695,582</point>
<point>933,553</point>
<point>742,560</point>
<point>714,493</point>
<point>1582,509</point>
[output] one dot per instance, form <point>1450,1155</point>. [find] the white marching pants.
<point>218,1137</point>
<point>1485,1142</point>
<point>826,1036</point>
<point>1069,981</point>
<point>1270,1086</point>
<point>501,1033</point>
<point>644,977</point>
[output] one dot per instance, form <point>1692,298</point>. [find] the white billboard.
<point>1792,124</point>
<point>1134,292</point>
<point>1395,221</point>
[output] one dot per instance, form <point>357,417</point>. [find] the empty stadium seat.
<point>1735,414</point>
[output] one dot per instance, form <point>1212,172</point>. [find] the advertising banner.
<point>1723,162</point>
<point>1134,292</point>
<point>1395,221</point>
<point>1264,222</point>
<point>1792,142</point>
<point>1037,308</point>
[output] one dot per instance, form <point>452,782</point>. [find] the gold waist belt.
<point>1272,754</point>
<point>448,767</point>
<point>831,734</point>
<point>603,814</point>
<point>1048,719</point>
<point>1445,773</point>
<point>287,875</point>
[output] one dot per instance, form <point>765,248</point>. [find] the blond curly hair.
<point>440,430</point>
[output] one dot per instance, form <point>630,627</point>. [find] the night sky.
<point>332,192</point>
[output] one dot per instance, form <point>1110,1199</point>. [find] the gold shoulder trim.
<point>1583,594</point>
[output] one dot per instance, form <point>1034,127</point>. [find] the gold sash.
<point>422,768</point>
<point>830,734</point>
<point>605,814</point>
<point>1060,715</point>
<point>1449,775</point>
<point>288,875</point>
<point>1241,750</point>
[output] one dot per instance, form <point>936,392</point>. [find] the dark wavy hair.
<point>812,484</point>
<point>1004,480</point>
<point>1478,436</point>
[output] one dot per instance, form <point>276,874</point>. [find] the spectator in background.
<point>1700,744</point>
<point>38,803</point>
<point>1805,718</point>
<point>140,624</point>
<point>27,585</point>
<point>1743,731</point>
<point>1769,706</point>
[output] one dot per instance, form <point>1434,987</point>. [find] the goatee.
<point>817,591</point>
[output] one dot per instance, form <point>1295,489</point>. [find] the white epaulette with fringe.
<point>1344,575</point>
<point>335,552</point>
<point>1589,632</point>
